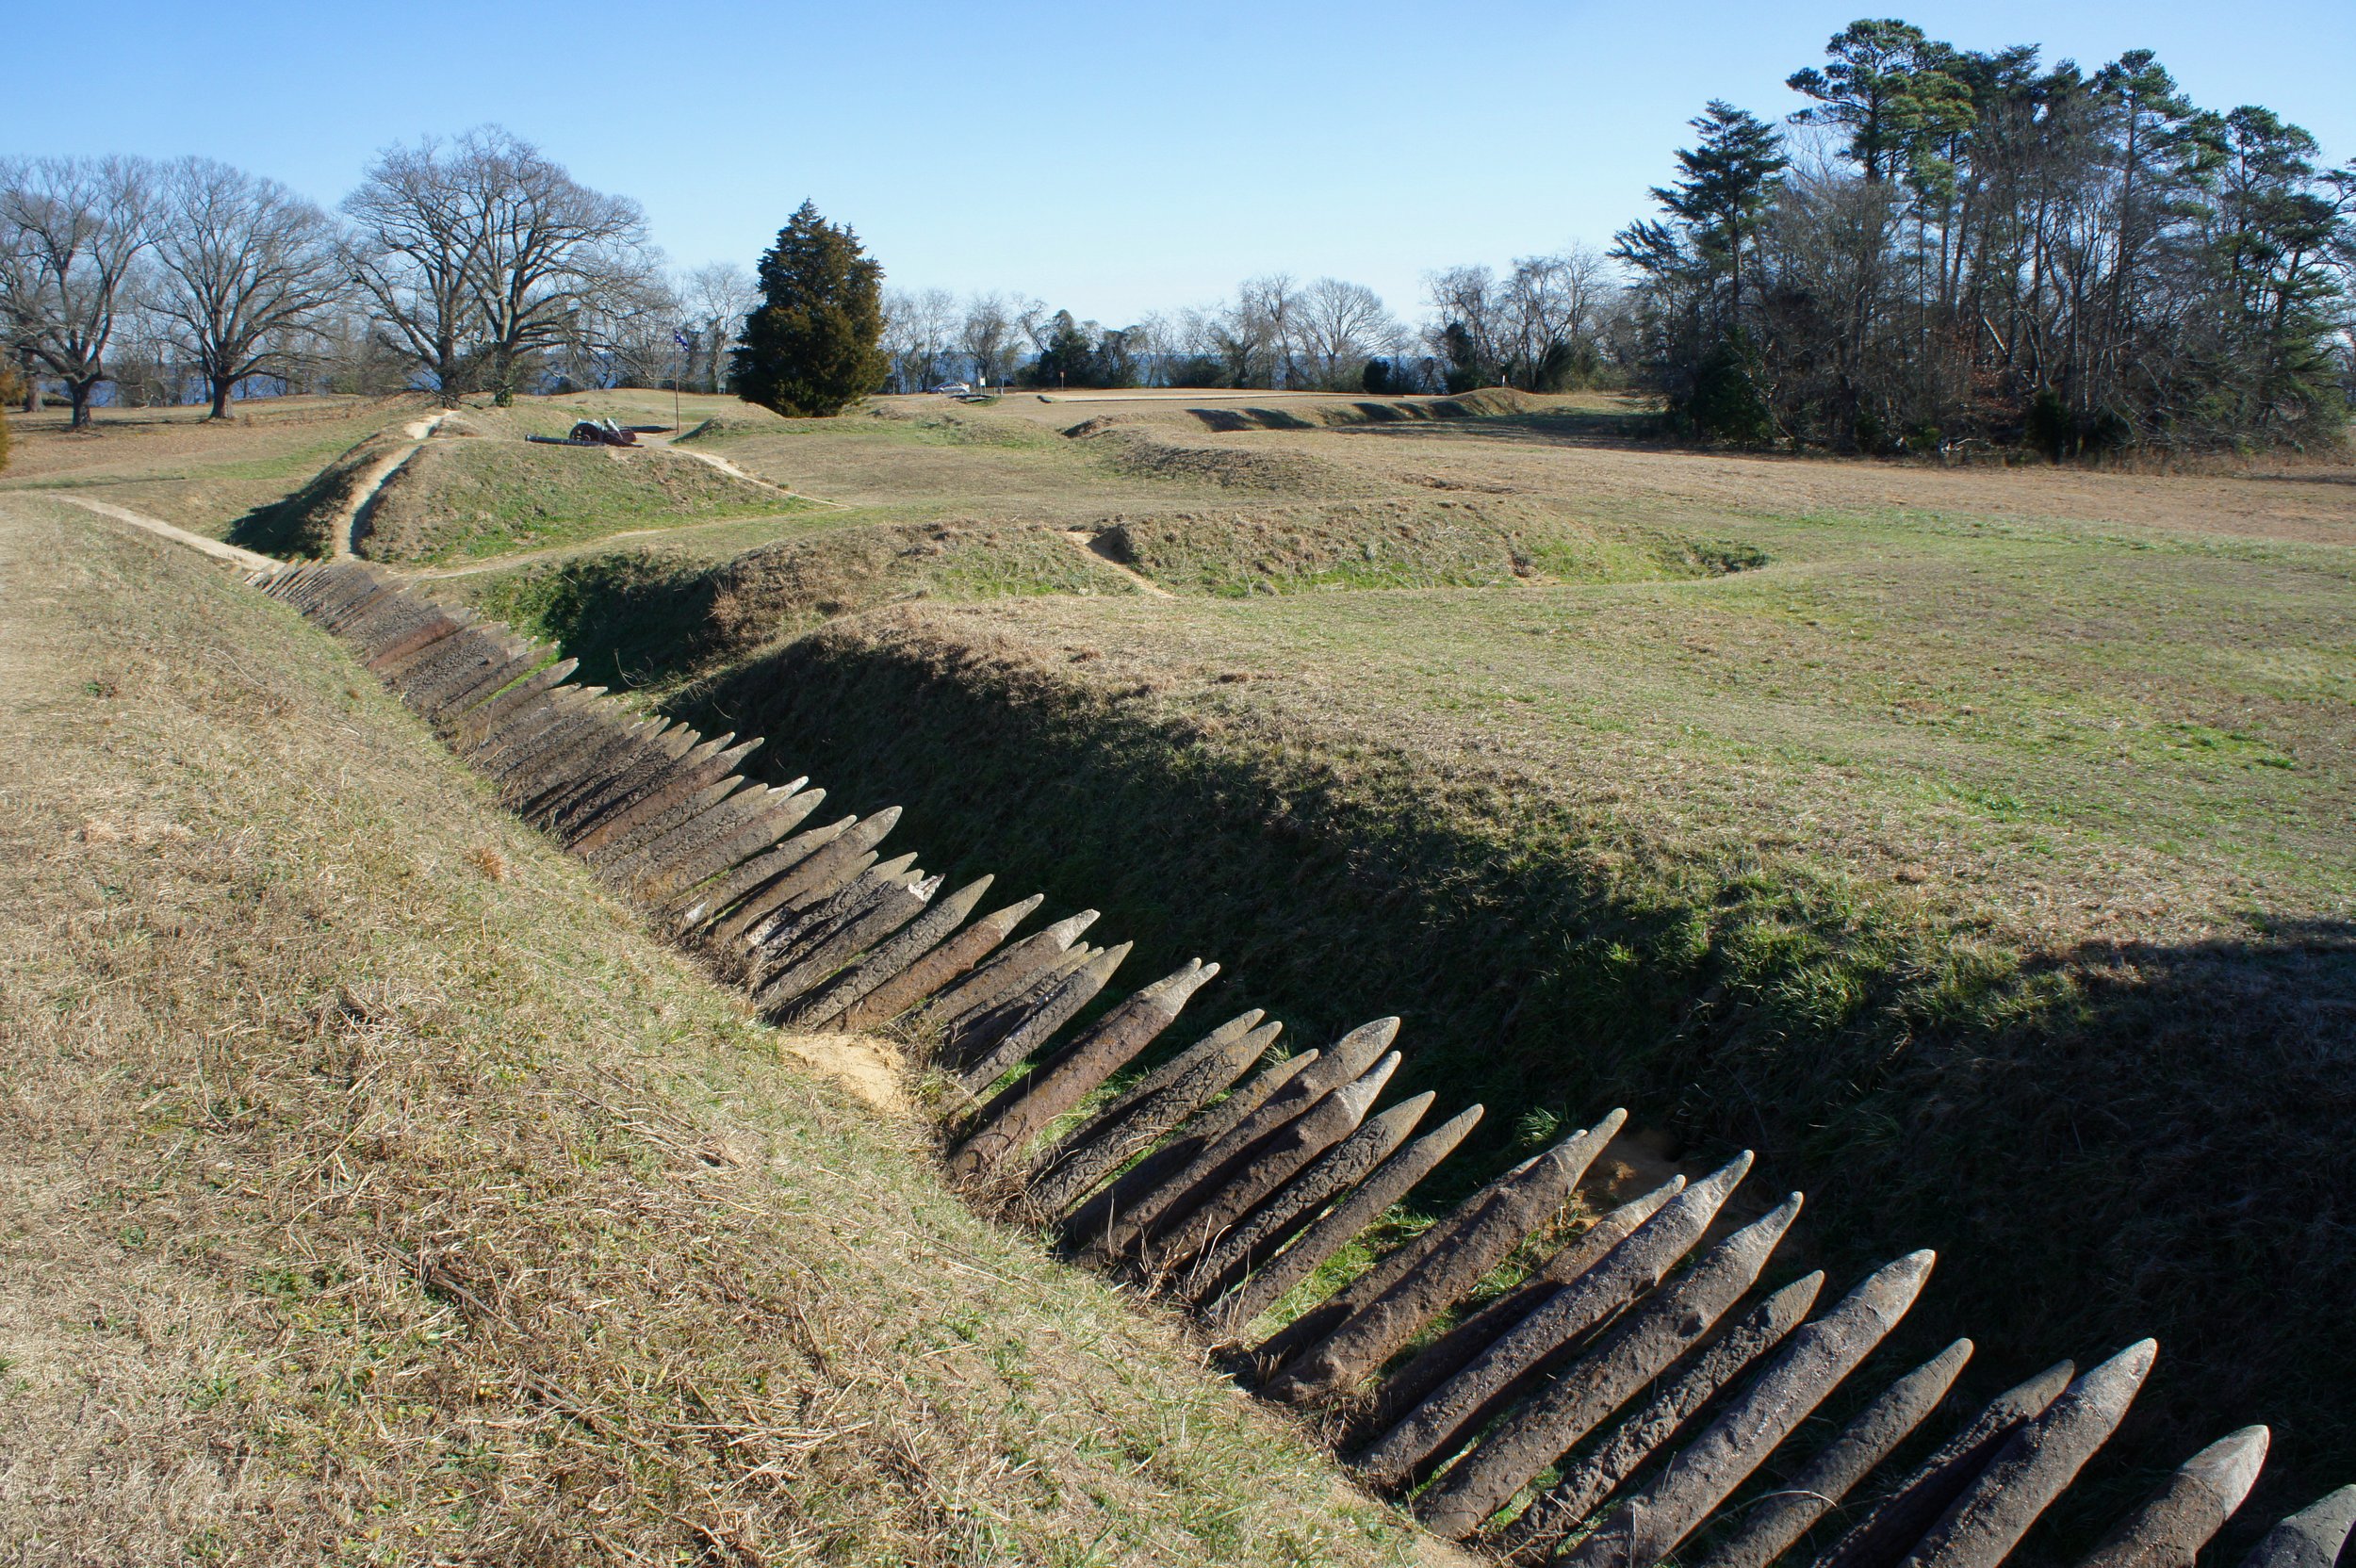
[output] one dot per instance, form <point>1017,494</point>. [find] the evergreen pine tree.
<point>1889,88</point>
<point>811,347</point>
<point>1729,181</point>
<point>1064,360</point>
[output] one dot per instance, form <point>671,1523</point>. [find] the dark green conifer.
<point>811,347</point>
<point>1730,180</point>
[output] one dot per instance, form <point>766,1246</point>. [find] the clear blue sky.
<point>1109,157</point>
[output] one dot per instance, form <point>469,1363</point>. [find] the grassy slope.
<point>1395,543</point>
<point>1989,870</point>
<point>207,477</point>
<point>464,500</point>
<point>641,618</point>
<point>394,1199</point>
<point>491,493</point>
<point>306,521</point>
<point>1991,877</point>
<point>948,503</point>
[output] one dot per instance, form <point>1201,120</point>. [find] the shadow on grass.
<point>1231,419</point>
<point>1451,419</point>
<point>1566,427</point>
<point>2102,1144</point>
<point>632,620</point>
<point>282,528</point>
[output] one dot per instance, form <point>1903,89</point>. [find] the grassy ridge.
<point>397,1200</point>
<point>2109,1141</point>
<point>208,477</point>
<point>1984,867</point>
<point>303,523</point>
<point>471,494</point>
<point>1982,859</point>
<point>1399,544</point>
<point>641,619</point>
<point>464,500</point>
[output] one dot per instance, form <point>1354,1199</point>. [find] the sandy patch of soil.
<point>865,1065</point>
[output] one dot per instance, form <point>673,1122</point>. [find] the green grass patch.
<point>1957,869</point>
<point>467,500</point>
<point>646,619</point>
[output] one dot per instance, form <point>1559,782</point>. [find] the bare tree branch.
<point>244,268</point>
<point>71,232</point>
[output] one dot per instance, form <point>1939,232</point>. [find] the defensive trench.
<point>1640,1366</point>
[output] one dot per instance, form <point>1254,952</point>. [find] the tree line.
<point>1945,249</point>
<point>472,265</point>
<point>1949,248</point>
<point>1545,323</point>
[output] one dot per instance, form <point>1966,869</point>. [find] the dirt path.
<point>714,460</point>
<point>213,548</point>
<point>1083,540</point>
<point>347,525</point>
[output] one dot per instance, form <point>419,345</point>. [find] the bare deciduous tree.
<point>719,296</point>
<point>987,337</point>
<point>898,341</point>
<point>1341,326</point>
<point>1157,342</point>
<point>937,322</point>
<point>919,326</point>
<point>1254,333</point>
<point>145,365</point>
<point>481,256</point>
<point>622,335</point>
<point>1036,320</point>
<point>1557,307</point>
<point>1470,323</point>
<point>71,232</point>
<point>415,247</point>
<point>352,355</point>
<point>244,268</point>
<point>554,259</point>
<point>1538,326</point>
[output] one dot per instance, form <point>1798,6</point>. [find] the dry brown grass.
<point>1136,453</point>
<point>2308,501</point>
<point>376,1193</point>
<point>1981,856</point>
<point>200,474</point>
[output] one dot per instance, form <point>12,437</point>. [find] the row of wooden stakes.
<point>1604,1411</point>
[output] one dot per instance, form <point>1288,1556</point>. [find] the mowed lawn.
<point>1973,842</point>
<point>200,474</point>
<point>1989,870</point>
<point>2074,730</point>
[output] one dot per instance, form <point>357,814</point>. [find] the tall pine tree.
<point>811,347</point>
<point>1889,87</point>
<point>1694,267</point>
<point>1729,181</point>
